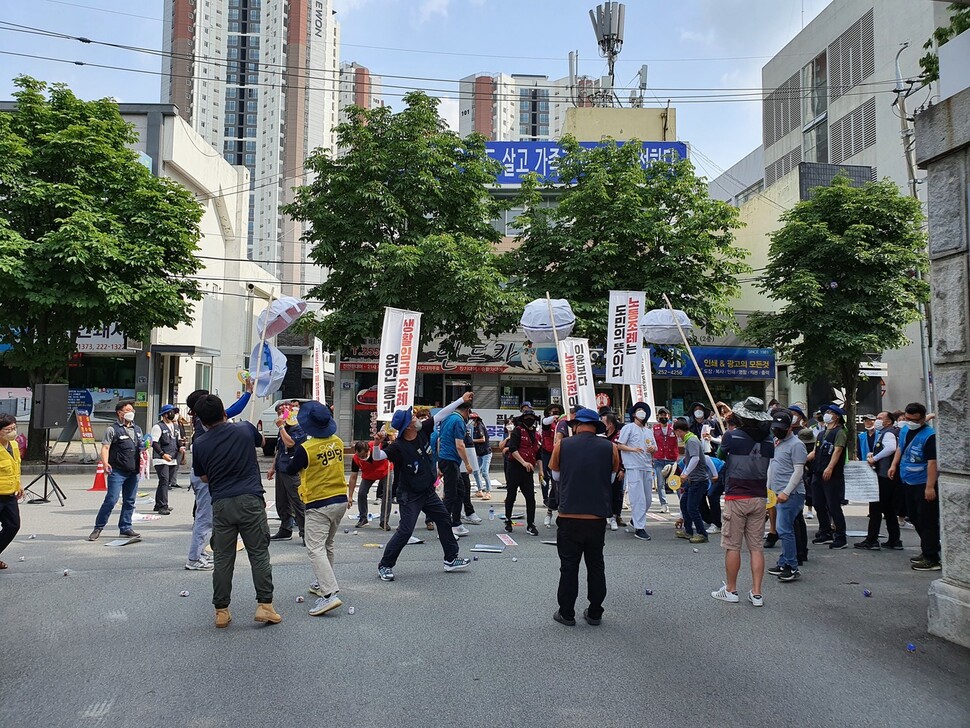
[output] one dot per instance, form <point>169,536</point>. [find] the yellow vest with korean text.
<point>323,477</point>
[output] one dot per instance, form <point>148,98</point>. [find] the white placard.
<point>643,390</point>
<point>318,393</point>
<point>623,350</point>
<point>398,364</point>
<point>577,373</point>
<point>861,482</point>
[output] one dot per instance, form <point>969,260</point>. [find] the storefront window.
<point>688,391</point>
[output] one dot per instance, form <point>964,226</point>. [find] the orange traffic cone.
<point>99,482</point>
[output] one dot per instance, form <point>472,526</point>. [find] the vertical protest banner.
<point>399,361</point>
<point>576,370</point>
<point>624,352</point>
<point>318,391</point>
<point>642,391</point>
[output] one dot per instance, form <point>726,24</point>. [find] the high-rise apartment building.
<point>358,87</point>
<point>517,107</point>
<point>258,80</point>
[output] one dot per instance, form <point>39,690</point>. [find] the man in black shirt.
<point>583,467</point>
<point>414,467</point>
<point>224,457</point>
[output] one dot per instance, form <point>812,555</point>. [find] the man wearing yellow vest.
<point>10,490</point>
<point>319,460</point>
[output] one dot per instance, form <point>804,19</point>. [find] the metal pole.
<point>562,373</point>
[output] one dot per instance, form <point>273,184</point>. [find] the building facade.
<point>258,81</point>
<point>358,87</point>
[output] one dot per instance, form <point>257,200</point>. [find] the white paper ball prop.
<point>537,324</point>
<point>658,326</point>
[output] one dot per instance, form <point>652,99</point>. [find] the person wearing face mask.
<point>524,445</point>
<point>121,454</point>
<point>636,446</point>
<point>704,426</point>
<point>866,438</point>
<point>785,478</point>
<point>880,458</point>
<point>666,439</point>
<point>828,478</point>
<point>289,505</point>
<point>915,462</point>
<point>165,451</point>
<point>10,488</point>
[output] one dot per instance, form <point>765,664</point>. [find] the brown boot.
<point>223,618</point>
<point>266,613</point>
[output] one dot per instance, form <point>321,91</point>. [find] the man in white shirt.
<point>636,446</point>
<point>881,459</point>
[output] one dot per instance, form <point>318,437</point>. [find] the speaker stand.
<point>49,483</point>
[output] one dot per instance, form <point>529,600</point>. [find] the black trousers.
<point>581,539</point>
<point>410,506</point>
<point>363,490</point>
<point>456,489</point>
<point>801,537</point>
<point>466,493</point>
<point>886,507</point>
<point>289,505</point>
<point>714,504</point>
<point>164,473</point>
<point>9,519</point>
<point>925,516</point>
<point>519,479</point>
<point>827,497</point>
<point>616,497</point>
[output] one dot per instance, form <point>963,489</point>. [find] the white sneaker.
<point>713,528</point>
<point>809,516</point>
<point>758,601</point>
<point>199,565</point>
<point>473,519</point>
<point>664,508</point>
<point>724,595</point>
<point>324,605</point>
<point>613,526</point>
<point>547,521</point>
<point>460,531</point>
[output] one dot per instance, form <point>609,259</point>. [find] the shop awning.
<point>184,350</point>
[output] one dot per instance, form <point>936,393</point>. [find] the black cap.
<point>781,419</point>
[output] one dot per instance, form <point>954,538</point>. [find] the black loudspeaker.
<point>50,406</point>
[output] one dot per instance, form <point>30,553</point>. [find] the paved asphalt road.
<point>113,644</point>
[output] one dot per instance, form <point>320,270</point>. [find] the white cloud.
<point>429,8</point>
<point>706,38</point>
<point>449,111</point>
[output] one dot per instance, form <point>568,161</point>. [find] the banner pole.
<point>700,373</point>
<point>562,372</point>
<point>259,359</point>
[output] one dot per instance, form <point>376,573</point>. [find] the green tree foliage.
<point>619,226</point>
<point>959,22</point>
<point>400,216</point>
<point>88,237</point>
<point>843,271</point>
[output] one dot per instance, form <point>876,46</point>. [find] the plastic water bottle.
<point>491,513</point>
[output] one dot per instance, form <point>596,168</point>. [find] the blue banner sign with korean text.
<point>520,158</point>
<point>718,362</point>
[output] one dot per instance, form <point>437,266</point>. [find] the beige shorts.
<point>743,521</point>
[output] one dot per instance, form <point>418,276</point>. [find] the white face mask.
<point>640,415</point>
<point>699,414</point>
<point>912,425</point>
<point>827,418</point>
<point>129,416</point>
<point>878,425</point>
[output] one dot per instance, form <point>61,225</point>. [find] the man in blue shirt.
<point>452,457</point>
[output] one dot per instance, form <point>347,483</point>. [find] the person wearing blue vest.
<point>867,438</point>
<point>121,454</point>
<point>915,461</point>
<point>880,459</point>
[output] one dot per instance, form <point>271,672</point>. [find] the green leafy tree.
<point>88,237</point>
<point>843,271</point>
<point>400,216</point>
<point>959,22</point>
<point>615,225</point>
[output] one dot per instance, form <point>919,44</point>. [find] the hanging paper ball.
<point>538,325</point>
<point>659,326</point>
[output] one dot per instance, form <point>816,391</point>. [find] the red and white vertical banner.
<point>624,352</point>
<point>576,371</point>
<point>642,391</point>
<point>318,391</point>
<point>399,361</point>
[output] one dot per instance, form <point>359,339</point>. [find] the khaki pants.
<point>321,529</point>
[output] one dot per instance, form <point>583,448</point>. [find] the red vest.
<point>666,444</point>
<point>370,470</point>
<point>549,437</point>
<point>528,445</point>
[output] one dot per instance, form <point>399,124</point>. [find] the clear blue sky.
<point>693,44</point>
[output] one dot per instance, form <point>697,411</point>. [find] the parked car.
<point>266,424</point>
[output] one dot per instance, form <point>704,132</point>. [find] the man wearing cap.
<point>524,446</point>
<point>747,453</point>
<point>289,506</point>
<point>413,459</point>
<point>785,478</point>
<point>828,478</point>
<point>867,438</point>
<point>583,466</point>
<point>165,451</point>
<point>880,459</point>
<point>667,453</point>
<point>636,446</point>
<point>224,457</point>
<point>319,461</point>
<point>706,427</point>
<point>454,463</point>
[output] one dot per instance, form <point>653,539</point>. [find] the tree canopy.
<point>400,215</point>
<point>616,225</point>
<point>959,22</point>
<point>843,271</point>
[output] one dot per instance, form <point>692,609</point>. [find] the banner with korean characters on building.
<point>398,361</point>
<point>642,391</point>
<point>576,372</point>
<point>624,351</point>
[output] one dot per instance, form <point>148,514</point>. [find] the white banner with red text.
<point>624,353</point>
<point>398,361</point>
<point>576,371</point>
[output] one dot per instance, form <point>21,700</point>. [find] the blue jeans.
<point>785,515</point>
<point>202,526</point>
<point>484,480</point>
<point>658,466</point>
<point>126,486</point>
<point>696,492</point>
